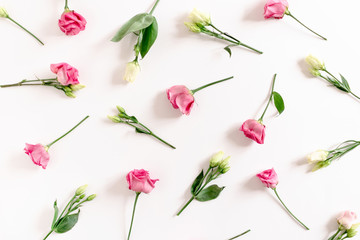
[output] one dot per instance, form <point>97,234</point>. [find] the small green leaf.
<point>197,182</point>
<point>67,223</point>
<point>279,102</point>
<point>139,130</point>
<point>209,193</point>
<point>56,213</point>
<point>227,48</point>
<point>149,36</point>
<point>136,23</point>
<point>345,82</point>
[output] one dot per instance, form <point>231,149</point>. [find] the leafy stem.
<point>268,103</point>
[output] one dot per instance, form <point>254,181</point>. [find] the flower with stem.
<point>316,67</point>
<point>348,223</point>
<point>71,22</point>
<point>182,98</point>
<point>68,217</point>
<point>217,167</point>
<point>323,158</point>
<point>39,153</point>
<point>5,14</point>
<point>255,129</point>
<point>199,23</point>
<point>145,27</point>
<point>270,179</point>
<point>132,121</point>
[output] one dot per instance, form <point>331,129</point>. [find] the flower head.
<point>181,98</point>
<point>66,74</point>
<point>254,130</point>
<point>38,154</point>
<point>200,18</point>
<point>315,64</point>
<point>3,13</point>
<point>140,181</point>
<point>71,23</point>
<point>269,178</point>
<point>81,190</point>
<point>275,9</point>
<point>319,155</point>
<point>193,27</point>
<point>131,71</point>
<point>216,159</point>
<point>347,219</point>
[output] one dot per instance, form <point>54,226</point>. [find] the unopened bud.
<point>315,63</point>
<point>115,119</point>
<point>77,87</point>
<point>91,197</point>
<point>81,190</point>
<point>216,159</point>
<point>3,12</point>
<point>120,109</point>
<point>224,163</point>
<point>351,233</point>
<point>70,94</point>
<point>320,165</point>
<point>193,27</point>
<point>82,196</point>
<point>224,170</point>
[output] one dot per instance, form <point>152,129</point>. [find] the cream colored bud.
<point>120,109</point>
<point>70,94</point>
<point>314,72</point>
<point>77,87</point>
<point>192,27</point>
<point>3,12</point>
<point>200,18</point>
<point>319,155</point>
<point>224,163</point>
<point>115,119</point>
<point>91,197</point>
<point>131,71</point>
<point>216,159</point>
<point>81,190</point>
<point>315,63</point>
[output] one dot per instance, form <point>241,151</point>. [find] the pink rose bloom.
<point>269,178</point>
<point>38,154</point>
<point>275,9</point>
<point>181,98</point>
<point>140,181</point>
<point>71,23</point>
<point>254,130</point>
<point>66,74</point>
<point>347,219</point>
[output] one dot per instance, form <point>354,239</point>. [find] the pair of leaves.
<point>278,102</point>
<point>146,25</point>
<point>197,183</point>
<point>206,194</point>
<point>65,223</point>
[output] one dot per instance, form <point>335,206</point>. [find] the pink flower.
<point>38,154</point>
<point>254,130</point>
<point>275,9</point>
<point>347,219</point>
<point>71,23</point>
<point>140,181</point>
<point>181,97</point>
<point>269,178</point>
<point>66,74</point>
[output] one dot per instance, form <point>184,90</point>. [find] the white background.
<point>101,153</point>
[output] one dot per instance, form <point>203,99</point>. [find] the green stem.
<point>334,236</point>
<point>66,5</point>
<point>25,82</point>
<point>325,70</point>
<point>48,234</point>
<point>49,145</point>
<point>155,5</point>
<point>25,29</point>
<point>183,208</point>
<point>133,213</point>
<point>207,85</point>
<point>155,136</point>
<point>240,235</point>
<point>354,95</point>
<point>288,13</point>
<point>289,210</point>
<point>271,94</point>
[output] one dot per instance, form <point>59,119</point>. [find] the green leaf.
<point>139,130</point>
<point>67,223</point>
<point>345,82</point>
<point>227,48</point>
<point>149,36</point>
<point>279,102</point>
<point>209,193</point>
<point>197,182</point>
<point>136,23</point>
<point>56,213</point>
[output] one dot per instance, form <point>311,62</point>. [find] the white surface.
<point>100,153</point>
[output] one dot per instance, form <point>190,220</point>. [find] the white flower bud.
<point>315,63</point>
<point>81,190</point>
<point>216,159</point>
<point>3,12</point>
<point>131,71</point>
<point>200,18</point>
<point>77,87</point>
<point>319,155</point>
<point>192,27</point>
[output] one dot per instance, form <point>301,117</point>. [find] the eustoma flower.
<point>39,153</point>
<point>67,219</point>
<point>278,8</point>
<point>182,98</point>
<point>317,66</point>
<point>132,121</point>
<point>217,166</point>
<point>66,80</point>
<point>143,25</point>
<point>348,223</point>
<point>270,179</point>
<point>255,129</point>
<point>71,22</point>
<point>5,14</point>
<point>140,182</point>
<point>200,21</point>
<point>323,158</point>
